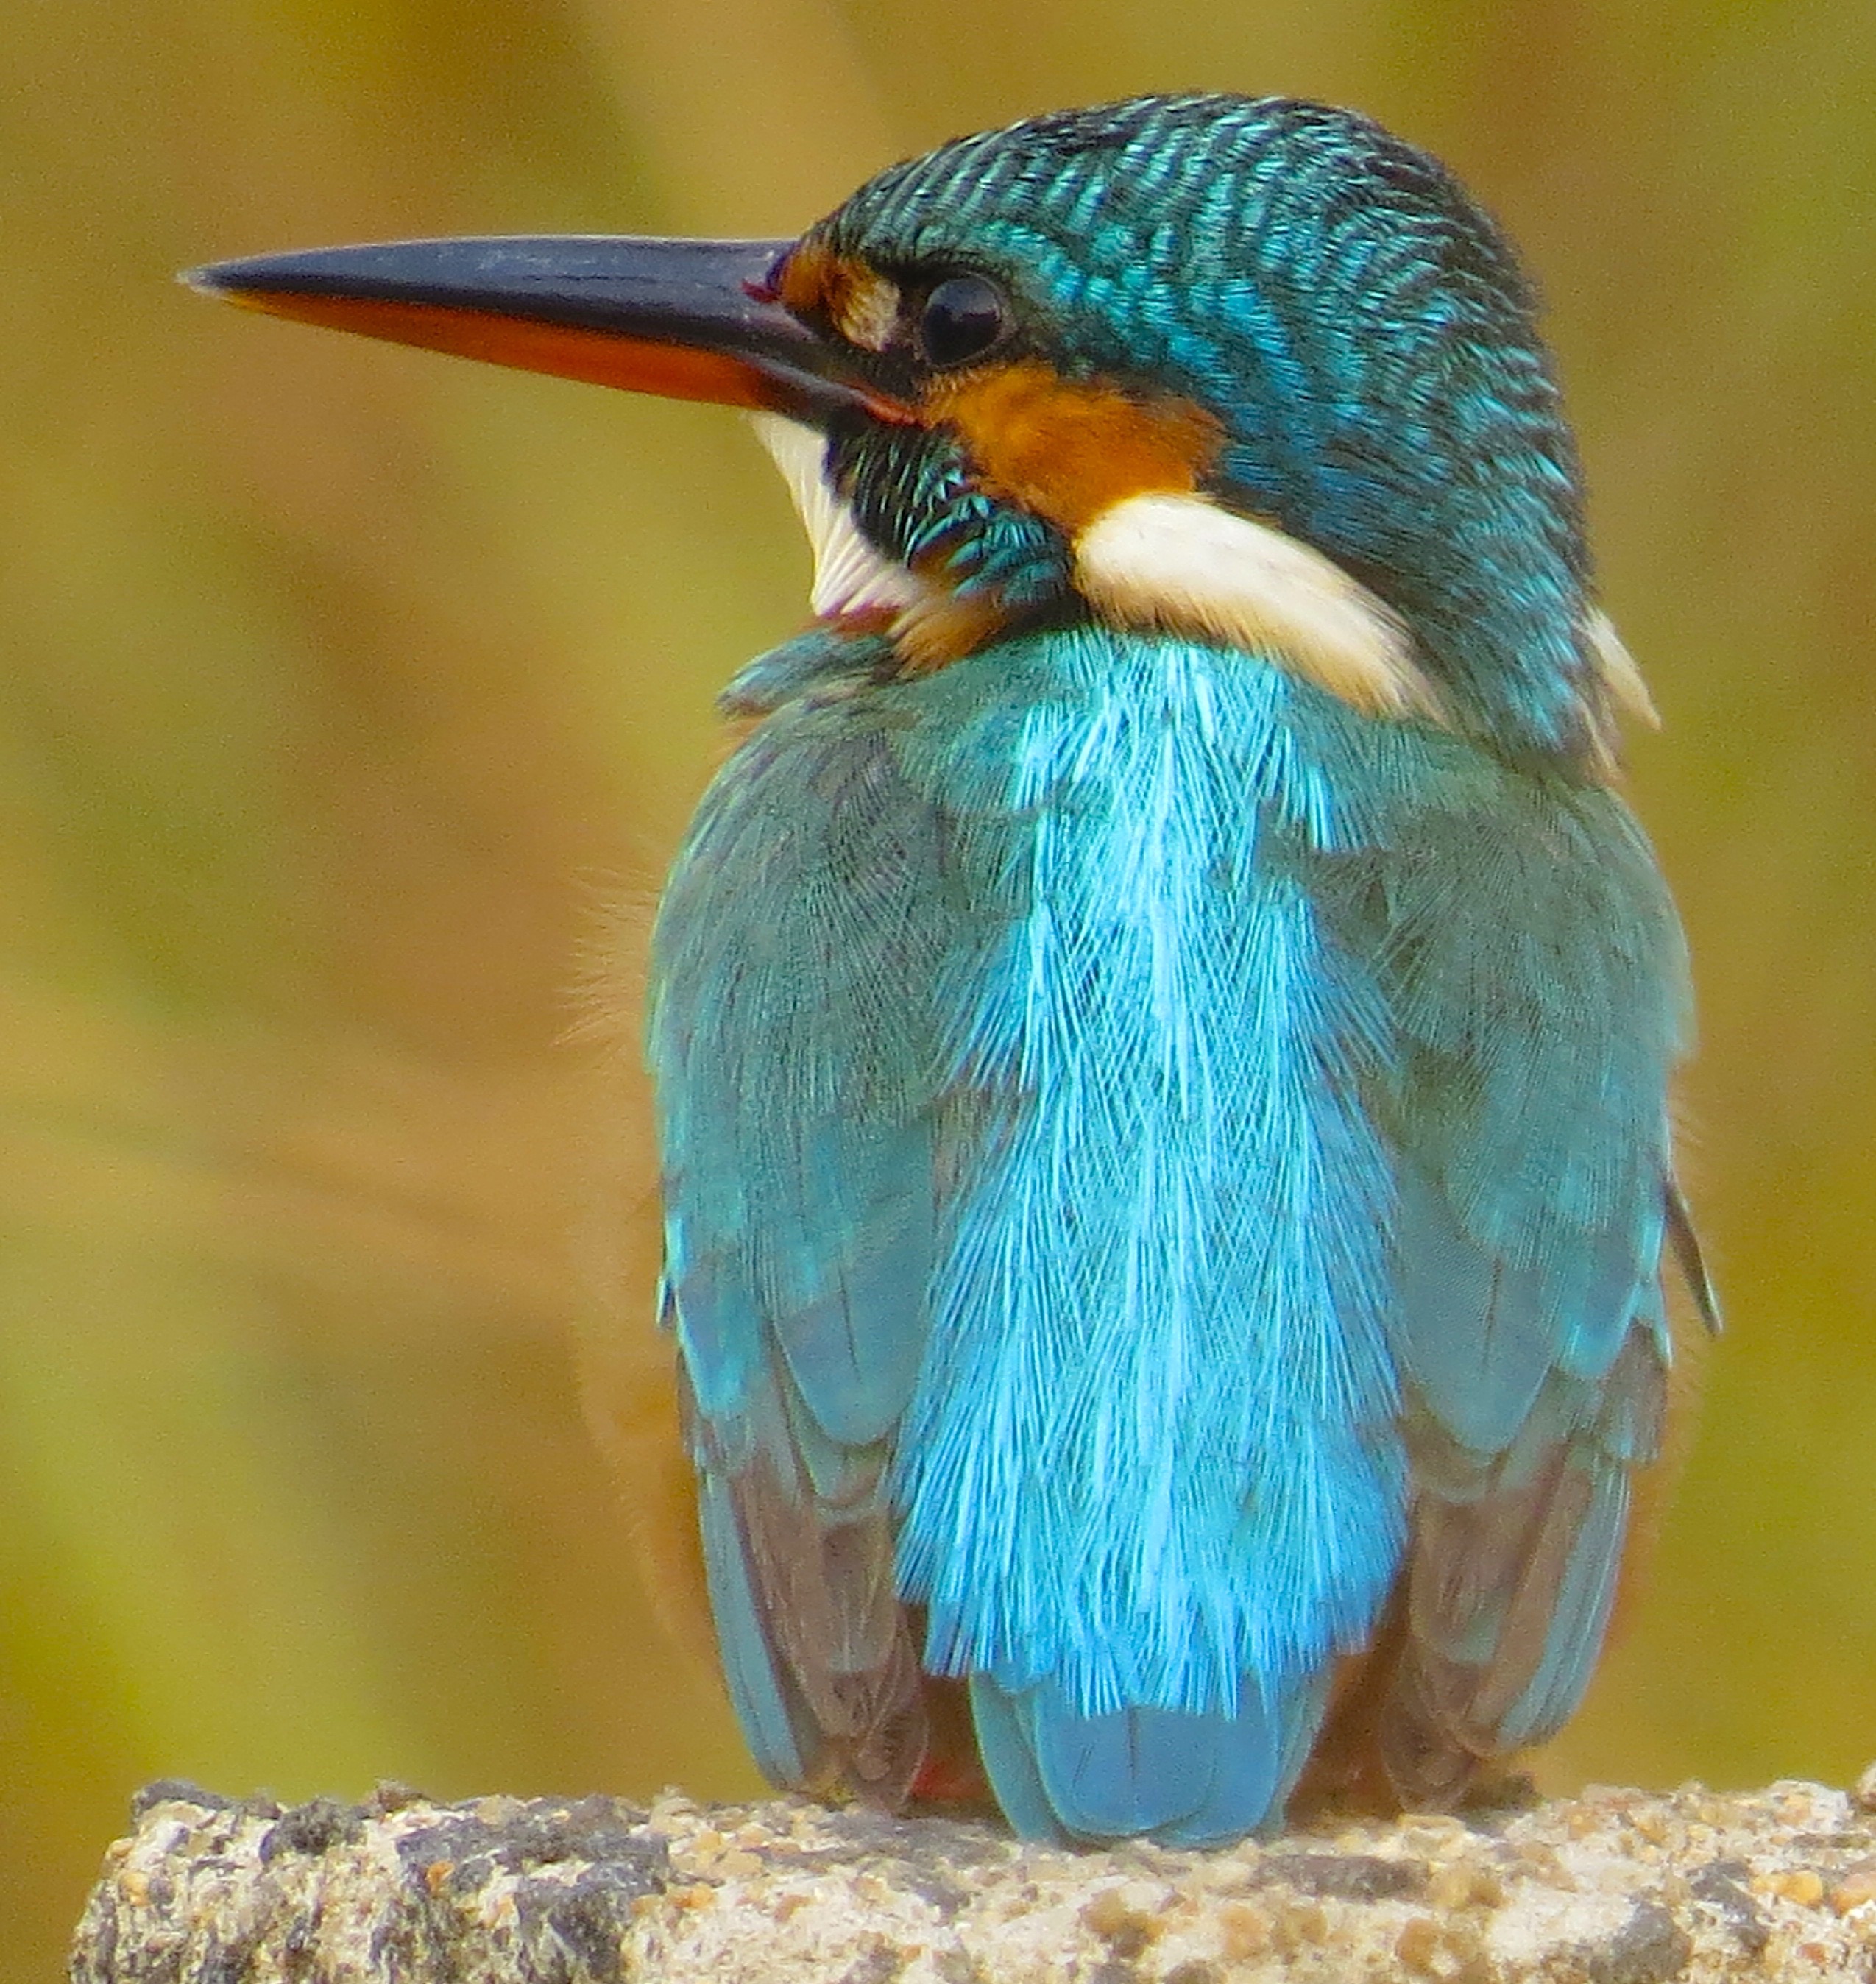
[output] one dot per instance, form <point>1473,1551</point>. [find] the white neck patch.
<point>1179,562</point>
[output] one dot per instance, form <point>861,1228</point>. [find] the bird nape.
<point>1162,1032</point>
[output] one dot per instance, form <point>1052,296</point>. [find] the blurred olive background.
<point>342,683</point>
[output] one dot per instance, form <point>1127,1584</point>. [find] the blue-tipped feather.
<point>1010,1762</point>
<point>1579,1615</point>
<point>1536,973</point>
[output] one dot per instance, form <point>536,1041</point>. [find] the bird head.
<point>1248,370</point>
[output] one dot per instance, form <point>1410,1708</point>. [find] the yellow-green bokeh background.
<point>339,681</point>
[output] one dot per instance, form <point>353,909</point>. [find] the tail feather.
<point>1188,1779</point>
<point>1010,1762</point>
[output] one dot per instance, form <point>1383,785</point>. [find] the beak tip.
<point>225,279</point>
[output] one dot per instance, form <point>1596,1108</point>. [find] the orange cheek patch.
<point>1070,452</point>
<point>805,278</point>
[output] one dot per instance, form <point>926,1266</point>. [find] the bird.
<point>1163,1030</point>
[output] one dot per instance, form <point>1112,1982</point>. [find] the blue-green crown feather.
<point>1167,1171</point>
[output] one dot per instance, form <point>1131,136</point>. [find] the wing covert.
<point>1538,986</point>
<point>790,1038</point>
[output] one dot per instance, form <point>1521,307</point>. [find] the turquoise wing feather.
<point>790,1034</point>
<point>1533,970</point>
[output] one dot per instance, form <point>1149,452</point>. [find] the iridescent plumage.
<point>1164,1157</point>
<point>1162,1030</point>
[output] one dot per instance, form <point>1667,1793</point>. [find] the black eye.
<point>963,317</point>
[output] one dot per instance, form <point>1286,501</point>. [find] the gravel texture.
<point>1617,1887</point>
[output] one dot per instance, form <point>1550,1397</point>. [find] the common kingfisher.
<point>1162,1031</point>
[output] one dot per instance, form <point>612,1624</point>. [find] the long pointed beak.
<point>688,319</point>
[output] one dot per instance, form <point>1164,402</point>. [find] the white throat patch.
<point>849,575</point>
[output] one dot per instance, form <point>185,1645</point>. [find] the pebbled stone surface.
<point>1616,1887</point>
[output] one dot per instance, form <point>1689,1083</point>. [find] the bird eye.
<point>963,317</point>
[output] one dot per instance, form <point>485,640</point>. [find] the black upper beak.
<point>690,320</point>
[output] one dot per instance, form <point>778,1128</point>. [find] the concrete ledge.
<point>1614,1887</point>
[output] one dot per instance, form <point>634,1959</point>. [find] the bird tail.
<point>1188,1779</point>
